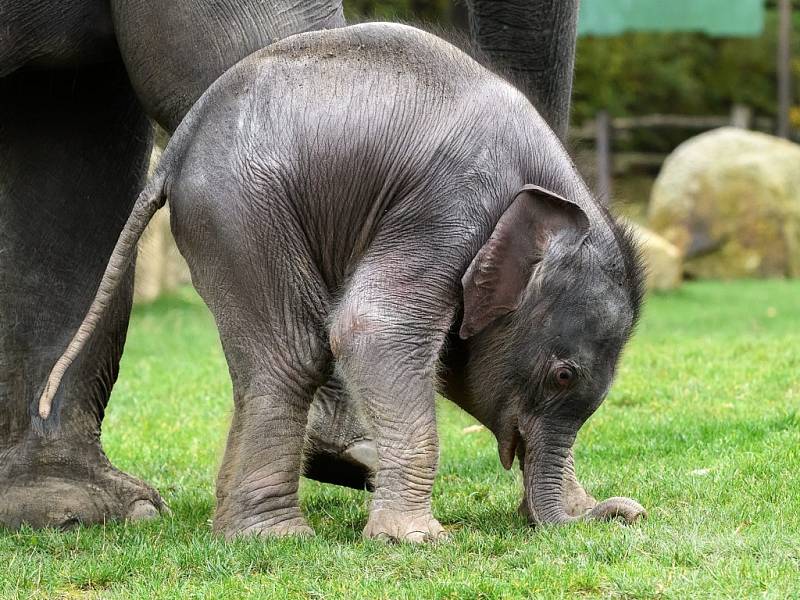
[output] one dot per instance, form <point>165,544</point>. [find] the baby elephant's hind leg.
<point>271,317</point>
<point>277,358</point>
<point>258,481</point>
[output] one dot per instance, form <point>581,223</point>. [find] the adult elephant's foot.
<point>75,143</point>
<point>396,526</point>
<point>58,490</point>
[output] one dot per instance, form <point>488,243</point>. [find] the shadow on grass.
<point>341,513</point>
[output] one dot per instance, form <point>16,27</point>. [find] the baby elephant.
<point>372,198</point>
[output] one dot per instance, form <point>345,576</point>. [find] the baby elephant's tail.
<point>149,201</point>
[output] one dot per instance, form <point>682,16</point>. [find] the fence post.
<point>604,158</point>
<point>784,66</point>
<point>741,116</point>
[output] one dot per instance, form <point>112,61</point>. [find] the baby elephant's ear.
<point>494,282</point>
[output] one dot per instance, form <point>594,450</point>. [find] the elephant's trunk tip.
<point>618,507</point>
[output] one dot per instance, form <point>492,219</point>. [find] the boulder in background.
<point>663,259</point>
<point>729,199</point>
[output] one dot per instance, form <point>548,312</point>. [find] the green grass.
<point>702,427</point>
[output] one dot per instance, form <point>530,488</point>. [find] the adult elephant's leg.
<point>73,150</point>
<point>535,40</point>
<point>175,49</point>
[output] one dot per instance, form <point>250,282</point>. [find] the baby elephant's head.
<point>549,302</point>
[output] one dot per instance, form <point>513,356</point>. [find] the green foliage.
<point>701,426</point>
<point>645,73</point>
<point>678,73</point>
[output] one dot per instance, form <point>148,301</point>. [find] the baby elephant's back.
<point>324,132</point>
<point>347,105</point>
<point>377,51</point>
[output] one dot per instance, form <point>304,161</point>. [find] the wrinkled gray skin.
<point>192,43</point>
<point>65,101</point>
<point>403,194</point>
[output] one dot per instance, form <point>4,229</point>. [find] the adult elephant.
<point>74,143</point>
<point>77,82</point>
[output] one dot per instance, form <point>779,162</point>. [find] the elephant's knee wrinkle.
<point>352,328</point>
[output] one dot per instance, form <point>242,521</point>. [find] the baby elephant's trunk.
<point>149,201</point>
<point>545,462</point>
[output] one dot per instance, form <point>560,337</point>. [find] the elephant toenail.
<point>142,510</point>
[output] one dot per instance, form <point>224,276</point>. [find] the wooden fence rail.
<point>603,129</point>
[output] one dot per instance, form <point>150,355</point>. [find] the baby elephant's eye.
<point>564,376</point>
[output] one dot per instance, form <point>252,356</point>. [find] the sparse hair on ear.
<point>494,282</point>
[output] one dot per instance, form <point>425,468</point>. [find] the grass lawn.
<point>702,427</point>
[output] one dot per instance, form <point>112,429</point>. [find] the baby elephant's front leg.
<point>394,379</point>
<point>408,453</point>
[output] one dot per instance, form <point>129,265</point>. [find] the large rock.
<point>160,267</point>
<point>729,200</point>
<point>663,259</point>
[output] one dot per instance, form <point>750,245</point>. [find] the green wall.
<point>715,17</point>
